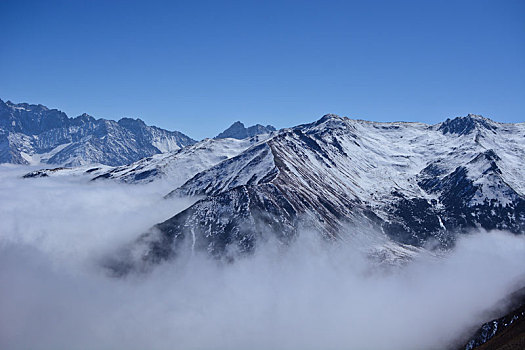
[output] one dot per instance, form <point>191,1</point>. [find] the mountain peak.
<point>83,118</point>
<point>238,131</point>
<point>485,159</point>
<point>130,122</point>
<point>475,116</point>
<point>25,106</point>
<point>465,125</point>
<point>328,121</point>
<point>237,124</point>
<point>329,117</point>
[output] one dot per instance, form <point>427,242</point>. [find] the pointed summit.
<point>132,124</point>
<point>465,125</point>
<point>238,131</point>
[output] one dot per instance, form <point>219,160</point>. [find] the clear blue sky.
<point>198,66</point>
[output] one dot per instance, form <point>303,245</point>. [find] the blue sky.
<point>198,66</point>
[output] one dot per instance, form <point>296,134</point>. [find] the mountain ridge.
<point>415,183</point>
<point>35,133</point>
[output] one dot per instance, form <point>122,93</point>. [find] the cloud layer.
<point>311,295</point>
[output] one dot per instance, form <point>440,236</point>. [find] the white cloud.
<point>313,295</point>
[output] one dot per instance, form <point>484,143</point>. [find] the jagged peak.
<point>329,116</point>
<point>25,106</point>
<point>239,131</point>
<point>237,123</point>
<point>128,120</point>
<point>483,164</point>
<point>329,121</point>
<point>465,125</point>
<point>488,155</point>
<point>474,116</point>
<point>84,117</point>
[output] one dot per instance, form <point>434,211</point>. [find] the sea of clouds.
<point>312,295</point>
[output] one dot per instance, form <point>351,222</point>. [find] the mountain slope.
<point>35,134</point>
<point>179,166</point>
<point>415,183</point>
<point>173,167</point>
<point>506,332</point>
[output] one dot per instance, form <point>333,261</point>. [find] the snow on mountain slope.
<point>86,171</point>
<point>178,167</point>
<point>174,168</point>
<point>249,167</point>
<point>413,182</point>
<point>34,133</point>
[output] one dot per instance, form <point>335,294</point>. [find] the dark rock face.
<point>238,131</point>
<point>506,332</point>
<point>29,130</point>
<point>457,192</point>
<point>42,173</point>
<point>417,221</point>
<point>236,230</point>
<point>29,119</point>
<point>465,125</point>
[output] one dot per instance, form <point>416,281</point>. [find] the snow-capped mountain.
<point>414,183</point>
<point>238,131</point>
<point>32,134</point>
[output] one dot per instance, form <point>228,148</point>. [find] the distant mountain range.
<point>33,134</point>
